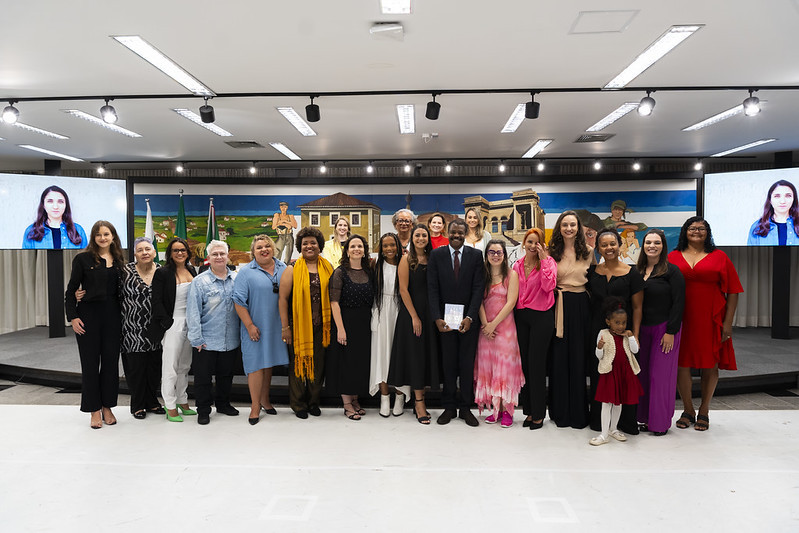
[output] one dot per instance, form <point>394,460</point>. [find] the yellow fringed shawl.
<point>302,315</point>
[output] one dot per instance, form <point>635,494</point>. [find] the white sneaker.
<point>618,435</point>
<point>599,440</point>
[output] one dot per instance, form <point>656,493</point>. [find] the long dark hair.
<point>345,256</point>
<point>413,259</point>
<point>556,243</point>
<point>682,243</point>
<point>377,280</point>
<point>115,248</point>
<point>170,263</point>
<point>37,232</point>
<point>662,266</point>
<point>764,226</point>
<point>504,270</point>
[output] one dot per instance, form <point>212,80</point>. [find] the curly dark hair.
<point>413,258</point>
<point>662,266</point>
<point>377,280</point>
<point>365,263</point>
<point>556,243</point>
<point>682,242</point>
<point>764,224</point>
<point>613,305</point>
<point>170,263</point>
<point>308,231</point>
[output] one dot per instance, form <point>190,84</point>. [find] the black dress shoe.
<point>228,410</point>
<point>203,419</point>
<point>445,417</point>
<point>659,433</point>
<point>270,411</point>
<point>526,423</point>
<point>467,416</point>
<point>157,410</point>
<point>536,425</point>
<point>302,413</point>
<point>315,411</point>
<point>140,415</point>
<point>253,421</point>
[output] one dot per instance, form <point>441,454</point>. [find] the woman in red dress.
<point>711,296</point>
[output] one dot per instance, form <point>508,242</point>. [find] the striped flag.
<point>212,233</point>
<point>180,225</point>
<point>149,232</point>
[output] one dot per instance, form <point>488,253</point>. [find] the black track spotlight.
<point>101,169</point>
<point>532,108</point>
<point>312,112</point>
<point>108,113</point>
<point>751,105</point>
<point>433,109</point>
<point>207,113</point>
<point>370,168</point>
<point>646,105</point>
<point>10,113</point>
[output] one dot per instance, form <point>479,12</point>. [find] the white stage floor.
<point>332,474</point>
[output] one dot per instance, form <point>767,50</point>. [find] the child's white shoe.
<point>618,435</point>
<point>599,440</point>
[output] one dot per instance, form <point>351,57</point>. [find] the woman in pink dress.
<point>498,365</point>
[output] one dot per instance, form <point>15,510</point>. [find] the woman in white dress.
<point>384,319</point>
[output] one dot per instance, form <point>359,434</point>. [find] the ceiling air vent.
<point>244,144</point>
<point>594,137</point>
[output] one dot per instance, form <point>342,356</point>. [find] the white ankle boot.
<point>399,404</point>
<point>385,405</point>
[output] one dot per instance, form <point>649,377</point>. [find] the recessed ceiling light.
<point>502,167</point>
<point>297,121</point>
<point>636,166</point>
<point>395,7</point>
<point>539,145</point>
<point>744,147</point>
<point>253,169</point>
<point>50,152</point>
<point>597,165</point>
<point>40,131</point>
<point>724,115</point>
<point>698,165</point>
<point>99,122</point>
<point>407,167</point>
<point>197,119</point>
<point>541,166</point>
<point>662,46</point>
<point>283,149</point>
<point>406,118</point>
<point>515,120</point>
<point>160,61</point>
<point>101,169</point>
<point>613,116</point>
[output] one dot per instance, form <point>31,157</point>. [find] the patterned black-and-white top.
<point>137,312</point>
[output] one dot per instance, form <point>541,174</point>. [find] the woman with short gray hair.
<point>403,221</point>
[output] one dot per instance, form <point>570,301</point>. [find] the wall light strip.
<point>662,46</point>
<point>40,131</point>
<point>613,116</point>
<point>515,120</point>
<point>406,118</point>
<point>50,152</point>
<point>744,147</point>
<point>283,149</point>
<point>539,145</point>
<point>724,115</point>
<point>194,117</point>
<point>100,122</point>
<point>297,121</point>
<point>395,7</point>
<point>159,60</point>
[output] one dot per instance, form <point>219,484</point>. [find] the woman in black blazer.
<point>97,321</point>
<point>170,291</point>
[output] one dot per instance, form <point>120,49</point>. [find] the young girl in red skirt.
<point>618,381</point>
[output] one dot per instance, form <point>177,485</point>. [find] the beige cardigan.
<point>607,353</point>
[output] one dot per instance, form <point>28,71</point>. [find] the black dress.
<point>347,366</point>
<point>600,288</point>
<point>415,360</point>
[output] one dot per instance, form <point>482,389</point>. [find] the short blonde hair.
<point>261,237</point>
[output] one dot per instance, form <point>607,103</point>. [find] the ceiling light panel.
<point>159,60</point>
<point>744,147</point>
<point>395,7</point>
<point>100,122</point>
<point>194,117</point>
<point>613,116</point>
<point>297,121</point>
<point>283,149</point>
<point>515,120</point>
<point>406,118</point>
<point>724,115</point>
<point>40,131</point>
<point>50,152</point>
<point>662,46</point>
<point>539,145</point>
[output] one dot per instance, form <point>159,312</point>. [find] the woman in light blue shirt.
<point>53,227</point>
<point>779,224</point>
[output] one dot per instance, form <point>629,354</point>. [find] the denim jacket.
<point>47,239</point>
<point>210,316</point>
<point>772,239</point>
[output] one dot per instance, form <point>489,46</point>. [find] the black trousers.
<point>143,372</point>
<point>457,360</point>
<point>206,365</point>
<point>568,403</point>
<point>534,330</point>
<point>99,354</point>
<point>304,393</point>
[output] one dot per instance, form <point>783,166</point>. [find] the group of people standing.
<point>440,304</point>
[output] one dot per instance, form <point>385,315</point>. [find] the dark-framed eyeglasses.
<point>697,229</point>
<point>496,253</point>
<point>179,251</point>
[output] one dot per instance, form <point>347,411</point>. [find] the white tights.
<point>610,418</point>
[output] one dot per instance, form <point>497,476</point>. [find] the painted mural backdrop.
<point>507,210</point>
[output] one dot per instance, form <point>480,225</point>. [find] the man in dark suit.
<point>455,276</point>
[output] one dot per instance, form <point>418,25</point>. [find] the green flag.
<point>212,233</point>
<point>180,225</point>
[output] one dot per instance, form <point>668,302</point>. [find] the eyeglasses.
<point>403,221</point>
<point>178,250</point>
<point>695,229</point>
<point>496,253</point>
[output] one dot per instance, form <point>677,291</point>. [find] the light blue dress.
<point>254,291</point>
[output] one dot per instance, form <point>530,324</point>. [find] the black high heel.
<point>424,420</point>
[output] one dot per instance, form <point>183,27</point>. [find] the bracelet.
<point>287,327</point>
